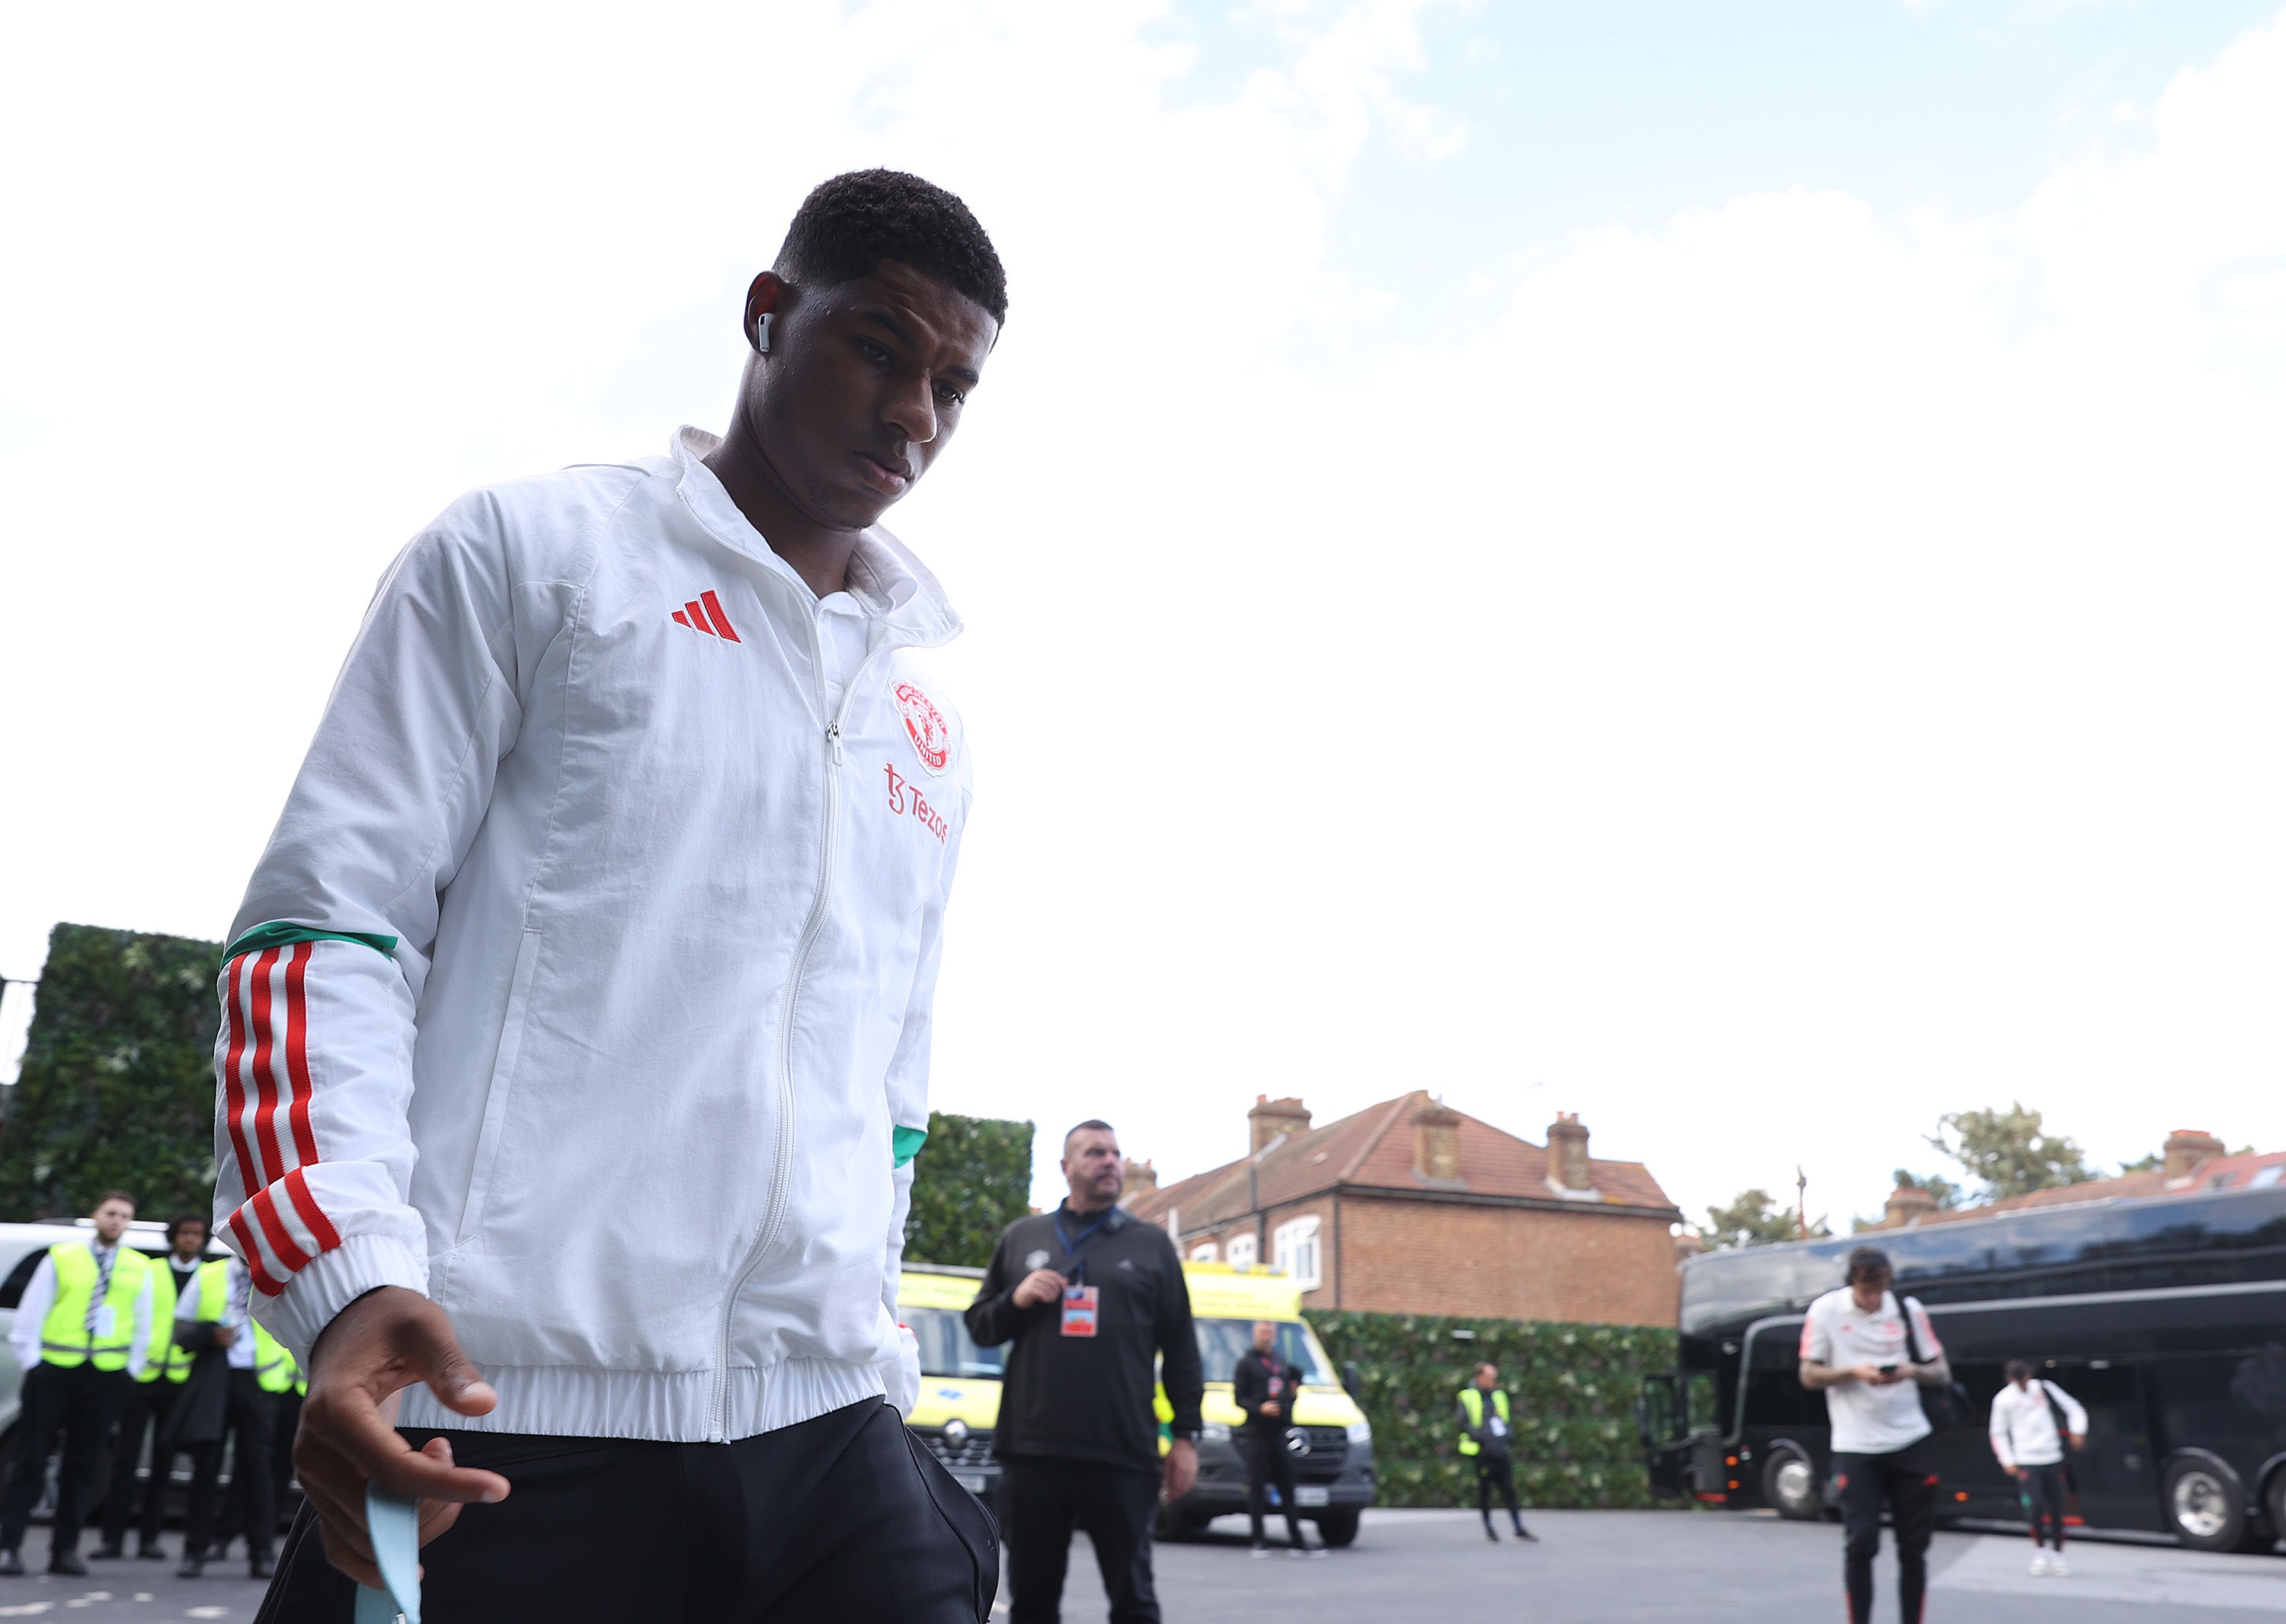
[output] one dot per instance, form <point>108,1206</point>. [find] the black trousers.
<point>843,1519</point>
<point>1043,1500</point>
<point>2043,1490</point>
<point>1497,1472</point>
<point>148,1406</point>
<point>1906,1480</point>
<point>1268,1462</point>
<point>233,1521</point>
<point>251,1421</point>
<point>80,1404</point>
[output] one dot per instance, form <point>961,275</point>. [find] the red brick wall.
<point>1507,1263</point>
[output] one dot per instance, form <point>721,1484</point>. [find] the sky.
<point>1713,568</point>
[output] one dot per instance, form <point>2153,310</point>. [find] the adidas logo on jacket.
<point>585,984</point>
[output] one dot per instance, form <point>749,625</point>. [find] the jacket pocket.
<point>500,1090</point>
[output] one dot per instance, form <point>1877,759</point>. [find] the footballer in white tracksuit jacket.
<point>584,982</point>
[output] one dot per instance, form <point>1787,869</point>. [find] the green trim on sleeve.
<point>279,932</point>
<point>905,1141</point>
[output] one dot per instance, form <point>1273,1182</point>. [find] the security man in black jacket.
<point>1263,1386</point>
<point>1089,1294</point>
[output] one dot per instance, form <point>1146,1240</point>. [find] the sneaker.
<point>1490,1534</point>
<point>68,1563</point>
<point>1526,1534</point>
<point>191,1568</point>
<point>258,1565</point>
<point>107,1553</point>
<point>2056,1568</point>
<point>2040,1564</point>
<point>11,1564</point>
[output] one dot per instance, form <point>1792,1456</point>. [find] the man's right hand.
<point>225,1335</point>
<point>1040,1286</point>
<point>384,1342</point>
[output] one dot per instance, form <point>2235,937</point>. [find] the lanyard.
<point>1072,1243</point>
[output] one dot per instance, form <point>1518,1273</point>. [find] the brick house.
<point>1412,1207</point>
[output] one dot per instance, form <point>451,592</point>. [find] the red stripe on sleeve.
<point>297,1190</point>
<point>233,1091</point>
<point>274,1229</point>
<point>715,608</point>
<point>272,1162</point>
<point>298,1053</point>
<point>262,1282</point>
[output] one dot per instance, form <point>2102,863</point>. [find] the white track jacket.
<point>585,984</point>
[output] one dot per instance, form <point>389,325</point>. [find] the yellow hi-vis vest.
<point>159,1359</point>
<point>274,1367</point>
<point>1472,1404</point>
<point>63,1340</point>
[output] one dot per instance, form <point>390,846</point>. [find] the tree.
<point>1753,1219</point>
<point>971,1179</point>
<point>118,1088</point>
<point>2009,1153</point>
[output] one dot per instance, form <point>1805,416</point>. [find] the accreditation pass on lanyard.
<point>1080,1305</point>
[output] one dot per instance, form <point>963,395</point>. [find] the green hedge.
<point>1575,1386</point>
<point>971,1179</point>
<point>118,1088</point>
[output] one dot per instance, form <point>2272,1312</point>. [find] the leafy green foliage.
<point>2009,1152</point>
<point>971,1179</point>
<point>118,1088</point>
<point>1752,1218</point>
<point>1574,1386</point>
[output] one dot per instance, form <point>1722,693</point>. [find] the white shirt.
<point>843,630</point>
<point>1866,1419</point>
<point>2024,1429</point>
<point>24,1336</point>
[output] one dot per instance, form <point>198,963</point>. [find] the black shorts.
<point>843,1519</point>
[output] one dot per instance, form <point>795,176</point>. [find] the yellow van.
<point>960,1382</point>
<point>1330,1442</point>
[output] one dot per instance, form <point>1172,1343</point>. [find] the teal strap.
<point>279,932</point>
<point>905,1142</point>
<point>394,1523</point>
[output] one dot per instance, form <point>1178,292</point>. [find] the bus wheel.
<point>2204,1503</point>
<point>1790,1484</point>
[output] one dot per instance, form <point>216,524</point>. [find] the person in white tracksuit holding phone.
<point>2031,1445</point>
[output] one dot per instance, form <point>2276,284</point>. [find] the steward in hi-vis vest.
<point>237,1372</point>
<point>1482,1410</point>
<point>82,1334</point>
<point>151,1405</point>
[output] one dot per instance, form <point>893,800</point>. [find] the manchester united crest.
<point>925,726</point>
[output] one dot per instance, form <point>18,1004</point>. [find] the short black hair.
<point>1091,1125</point>
<point>108,1196</point>
<point>1868,1260</point>
<point>175,1225</point>
<point>849,224</point>
<point>2019,1369</point>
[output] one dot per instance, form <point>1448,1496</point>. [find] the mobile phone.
<point>1888,1370</point>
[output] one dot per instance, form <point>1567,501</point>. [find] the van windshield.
<point>946,1348</point>
<point>1223,1343</point>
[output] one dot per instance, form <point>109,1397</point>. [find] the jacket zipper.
<point>774,1220</point>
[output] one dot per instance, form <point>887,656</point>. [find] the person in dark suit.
<point>1263,1386</point>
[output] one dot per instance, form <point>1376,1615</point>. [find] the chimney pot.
<point>1269,1117</point>
<point>1567,1153</point>
<point>1907,1205</point>
<point>1436,1141</point>
<point>1140,1179</point>
<point>2186,1149</point>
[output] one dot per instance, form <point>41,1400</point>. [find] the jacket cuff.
<point>330,1282</point>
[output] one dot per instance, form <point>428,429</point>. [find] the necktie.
<point>104,1257</point>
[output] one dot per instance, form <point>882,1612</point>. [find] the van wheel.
<point>1790,1484</point>
<point>1338,1528</point>
<point>2204,1504</point>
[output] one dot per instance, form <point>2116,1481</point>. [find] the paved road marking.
<point>2155,1575</point>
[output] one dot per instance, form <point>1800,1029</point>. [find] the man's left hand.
<point>1181,1469</point>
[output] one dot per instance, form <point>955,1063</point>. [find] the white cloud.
<point>1789,674</point>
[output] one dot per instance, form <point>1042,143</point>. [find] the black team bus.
<point>2166,1317</point>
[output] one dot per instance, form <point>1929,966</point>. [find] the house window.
<point>1294,1248</point>
<point>1241,1252</point>
<point>1203,1252</point>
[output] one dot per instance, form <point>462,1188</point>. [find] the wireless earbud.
<point>762,333</point>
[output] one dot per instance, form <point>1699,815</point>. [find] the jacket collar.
<point>896,588</point>
<point>1113,1219</point>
